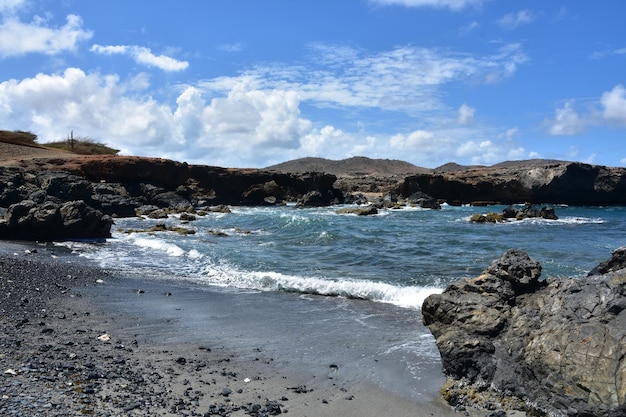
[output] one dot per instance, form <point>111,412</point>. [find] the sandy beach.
<point>66,350</point>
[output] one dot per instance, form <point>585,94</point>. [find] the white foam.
<point>408,297</point>
<point>538,220</point>
<point>159,245</point>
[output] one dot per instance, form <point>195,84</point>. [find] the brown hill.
<point>358,166</point>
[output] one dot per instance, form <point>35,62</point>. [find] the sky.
<point>249,83</point>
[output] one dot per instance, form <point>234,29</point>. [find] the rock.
<point>490,217</point>
<point>52,221</point>
<point>267,193</point>
<point>82,221</point>
<point>64,186</point>
<point>359,211</point>
<point>317,199</point>
<point>171,199</point>
<point>510,212</point>
<point>616,262</point>
<point>556,346</point>
<point>534,181</point>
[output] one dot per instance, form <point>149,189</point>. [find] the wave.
<point>159,245</point>
<point>226,276</point>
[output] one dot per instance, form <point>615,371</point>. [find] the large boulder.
<point>53,221</point>
<point>64,186</point>
<point>508,339</point>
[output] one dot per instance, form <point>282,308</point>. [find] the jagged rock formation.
<point>120,186</point>
<point>558,347</point>
<point>534,181</point>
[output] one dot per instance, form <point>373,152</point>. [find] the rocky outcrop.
<point>557,347</point>
<point>34,195</point>
<point>533,181</point>
<point>510,212</point>
<point>28,220</point>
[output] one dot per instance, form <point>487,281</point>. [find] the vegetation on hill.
<point>81,146</point>
<point>18,137</point>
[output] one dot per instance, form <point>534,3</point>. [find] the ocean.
<point>317,288</point>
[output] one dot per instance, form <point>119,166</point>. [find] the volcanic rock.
<point>532,181</point>
<point>556,346</point>
<point>28,220</point>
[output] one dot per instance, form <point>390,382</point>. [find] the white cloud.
<point>614,104</point>
<point>406,79</point>
<point>566,121</point>
<point>8,6</point>
<point>509,134</point>
<point>466,114</point>
<point>610,109</point>
<point>143,56</point>
<point>242,129</point>
<point>455,5</point>
<point>514,20</point>
<point>19,38</point>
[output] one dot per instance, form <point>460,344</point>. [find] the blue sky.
<point>248,83</point>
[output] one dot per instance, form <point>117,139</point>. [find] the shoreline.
<point>57,360</point>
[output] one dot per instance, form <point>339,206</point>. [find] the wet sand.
<point>67,350</point>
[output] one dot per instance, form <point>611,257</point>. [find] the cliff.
<point>34,194</point>
<point>534,181</point>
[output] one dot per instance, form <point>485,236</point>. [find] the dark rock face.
<point>556,346</point>
<point>527,181</point>
<point>43,204</point>
<point>28,220</point>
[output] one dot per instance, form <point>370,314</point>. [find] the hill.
<point>358,166</point>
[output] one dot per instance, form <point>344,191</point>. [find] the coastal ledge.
<point>547,347</point>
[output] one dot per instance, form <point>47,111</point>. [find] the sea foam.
<point>408,297</point>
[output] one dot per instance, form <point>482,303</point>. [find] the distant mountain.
<point>357,166</point>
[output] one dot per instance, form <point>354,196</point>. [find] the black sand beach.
<point>69,349</point>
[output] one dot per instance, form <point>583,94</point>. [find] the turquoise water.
<point>398,256</point>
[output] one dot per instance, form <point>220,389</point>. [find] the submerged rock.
<point>558,347</point>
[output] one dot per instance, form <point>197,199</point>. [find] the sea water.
<point>316,288</point>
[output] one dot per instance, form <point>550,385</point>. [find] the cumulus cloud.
<point>610,109</point>
<point>19,38</point>
<point>97,106</point>
<point>143,56</point>
<point>244,127</point>
<point>614,104</point>
<point>567,121</point>
<point>512,21</point>
<point>454,5</point>
<point>466,114</point>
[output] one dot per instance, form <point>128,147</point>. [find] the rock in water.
<point>556,346</point>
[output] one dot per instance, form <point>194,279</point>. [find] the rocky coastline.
<point>532,181</point>
<point>508,339</point>
<point>552,347</point>
<point>56,199</point>
<point>68,198</point>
